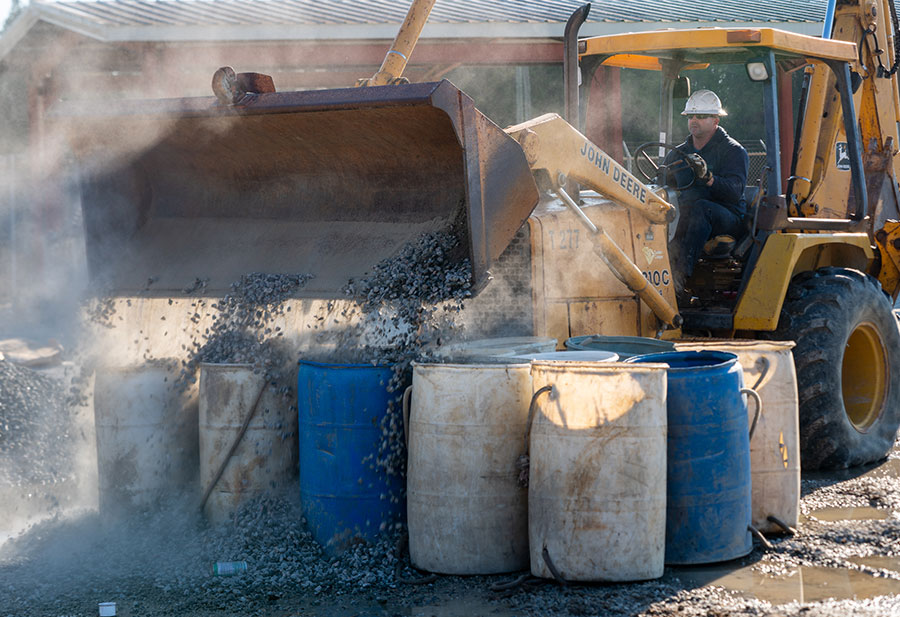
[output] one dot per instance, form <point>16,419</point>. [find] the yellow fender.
<point>888,239</point>
<point>783,256</point>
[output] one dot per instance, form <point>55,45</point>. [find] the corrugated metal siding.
<point>142,13</point>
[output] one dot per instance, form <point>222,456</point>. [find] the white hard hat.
<point>704,102</point>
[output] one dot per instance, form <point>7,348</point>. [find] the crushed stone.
<point>408,304</point>
<point>35,425</point>
<point>242,331</point>
<point>166,556</point>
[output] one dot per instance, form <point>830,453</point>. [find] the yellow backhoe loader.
<point>330,182</point>
<point>817,262</point>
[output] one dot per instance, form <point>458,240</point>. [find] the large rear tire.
<point>848,367</point>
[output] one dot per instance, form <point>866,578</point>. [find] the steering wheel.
<point>650,171</point>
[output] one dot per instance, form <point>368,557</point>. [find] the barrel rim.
<point>500,341</point>
<point>595,364</point>
<point>344,365</point>
<point>470,365</point>
<point>722,359</point>
<point>564,356</point>
<point>487,349</point>
<point>741,343</point>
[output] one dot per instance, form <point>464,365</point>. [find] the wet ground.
<point>845,560</point>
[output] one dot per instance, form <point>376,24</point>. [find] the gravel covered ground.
<point>159,563</point>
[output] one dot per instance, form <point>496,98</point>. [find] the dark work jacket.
<point>729,164</point>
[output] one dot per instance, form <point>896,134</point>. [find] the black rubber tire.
<point>823,309</point>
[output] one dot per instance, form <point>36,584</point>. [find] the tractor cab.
<point>758,74</point>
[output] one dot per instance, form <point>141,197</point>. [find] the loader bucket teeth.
<point>326,183</point>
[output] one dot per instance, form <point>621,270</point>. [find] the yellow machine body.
<point>574,292</point>
<point>783,257</point>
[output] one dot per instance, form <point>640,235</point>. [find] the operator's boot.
<point>719,246</point>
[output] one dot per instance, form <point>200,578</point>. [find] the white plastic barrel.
<point>465,510</point>
<point>597,474</point>
<point>775,446</point>
<point>146,436</point>
<point>266,455</point>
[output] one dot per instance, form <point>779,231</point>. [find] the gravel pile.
<point>35,444</point>
<point>160,563</point>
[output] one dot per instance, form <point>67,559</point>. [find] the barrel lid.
<point>494,350</point>
<point>624,346</point>
<point>725,344</point>
<point>464,364</point>
<point>572,356</point>
<point>687,360</point>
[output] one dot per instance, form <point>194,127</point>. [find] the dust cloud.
<point>63,535</point>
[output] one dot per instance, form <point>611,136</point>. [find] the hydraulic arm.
<point>391,71</point>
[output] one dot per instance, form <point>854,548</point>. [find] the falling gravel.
<point>405,306</point>
<point>242,330</point>
<point>410,301</point>
<point>35,445</point>
<point>409,304</point>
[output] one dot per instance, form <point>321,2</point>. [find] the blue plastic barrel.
<point>344,495</point>
<point>624,346</point>
<point>708,510</point>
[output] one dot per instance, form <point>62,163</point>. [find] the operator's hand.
<point>698,166</point>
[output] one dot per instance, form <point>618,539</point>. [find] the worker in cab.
<point>710,170</point>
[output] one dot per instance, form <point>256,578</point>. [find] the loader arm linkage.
<point>391,71</point>
<point>554,146</point>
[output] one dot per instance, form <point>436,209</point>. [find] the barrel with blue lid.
<point>775,444</point>
<point>343,412</point>
<point>708,512</point>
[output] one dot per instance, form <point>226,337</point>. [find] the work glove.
<point>698,165</point>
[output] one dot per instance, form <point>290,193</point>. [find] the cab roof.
<point>711,45</point>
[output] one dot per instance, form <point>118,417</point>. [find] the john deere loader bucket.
<point>322,182</point>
